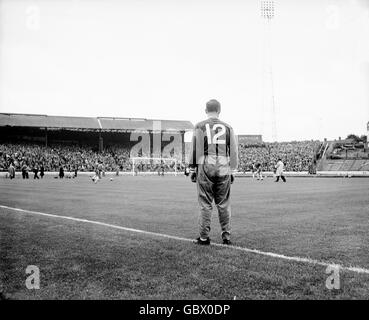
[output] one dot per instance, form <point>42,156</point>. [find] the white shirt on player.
<point>279,166</point>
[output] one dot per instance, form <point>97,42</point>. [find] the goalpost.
<point>149,159</point>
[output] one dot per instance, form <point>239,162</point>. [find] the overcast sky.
<point>164,59</point>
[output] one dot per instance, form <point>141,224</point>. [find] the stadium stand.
<point>44,121</point>
<point>297,155</point>
<point>131,124</point>
<point>70,157</point>
<point>82,143</point>
<point>344,155</point>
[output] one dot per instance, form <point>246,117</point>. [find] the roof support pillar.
<point>101,142</point>
<point>183,147</point>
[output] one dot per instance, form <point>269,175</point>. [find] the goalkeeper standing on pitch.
<point>213,156</point>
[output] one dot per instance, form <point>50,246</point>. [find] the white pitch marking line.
<point>268,254</point>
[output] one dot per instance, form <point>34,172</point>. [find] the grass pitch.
<point>325,219</point>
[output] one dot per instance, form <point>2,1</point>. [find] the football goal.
<point>152,163</point>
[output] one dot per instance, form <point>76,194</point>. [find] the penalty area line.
<point>162,235</point>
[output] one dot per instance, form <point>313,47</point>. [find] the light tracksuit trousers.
<point>214,185</point>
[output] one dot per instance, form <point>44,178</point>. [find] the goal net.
<point>147,164</point>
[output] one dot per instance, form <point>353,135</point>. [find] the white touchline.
<point>269,254</point>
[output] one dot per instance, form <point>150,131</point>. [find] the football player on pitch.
<point>213,156</point>
<point>259,174</point>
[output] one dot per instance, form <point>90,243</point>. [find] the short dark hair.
<point>213,106</point>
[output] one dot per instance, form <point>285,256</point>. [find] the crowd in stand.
<point>53,157</point>
<point>72,158</point>
<point>297,156</point>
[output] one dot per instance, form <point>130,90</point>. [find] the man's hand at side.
<point>193,177</point>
